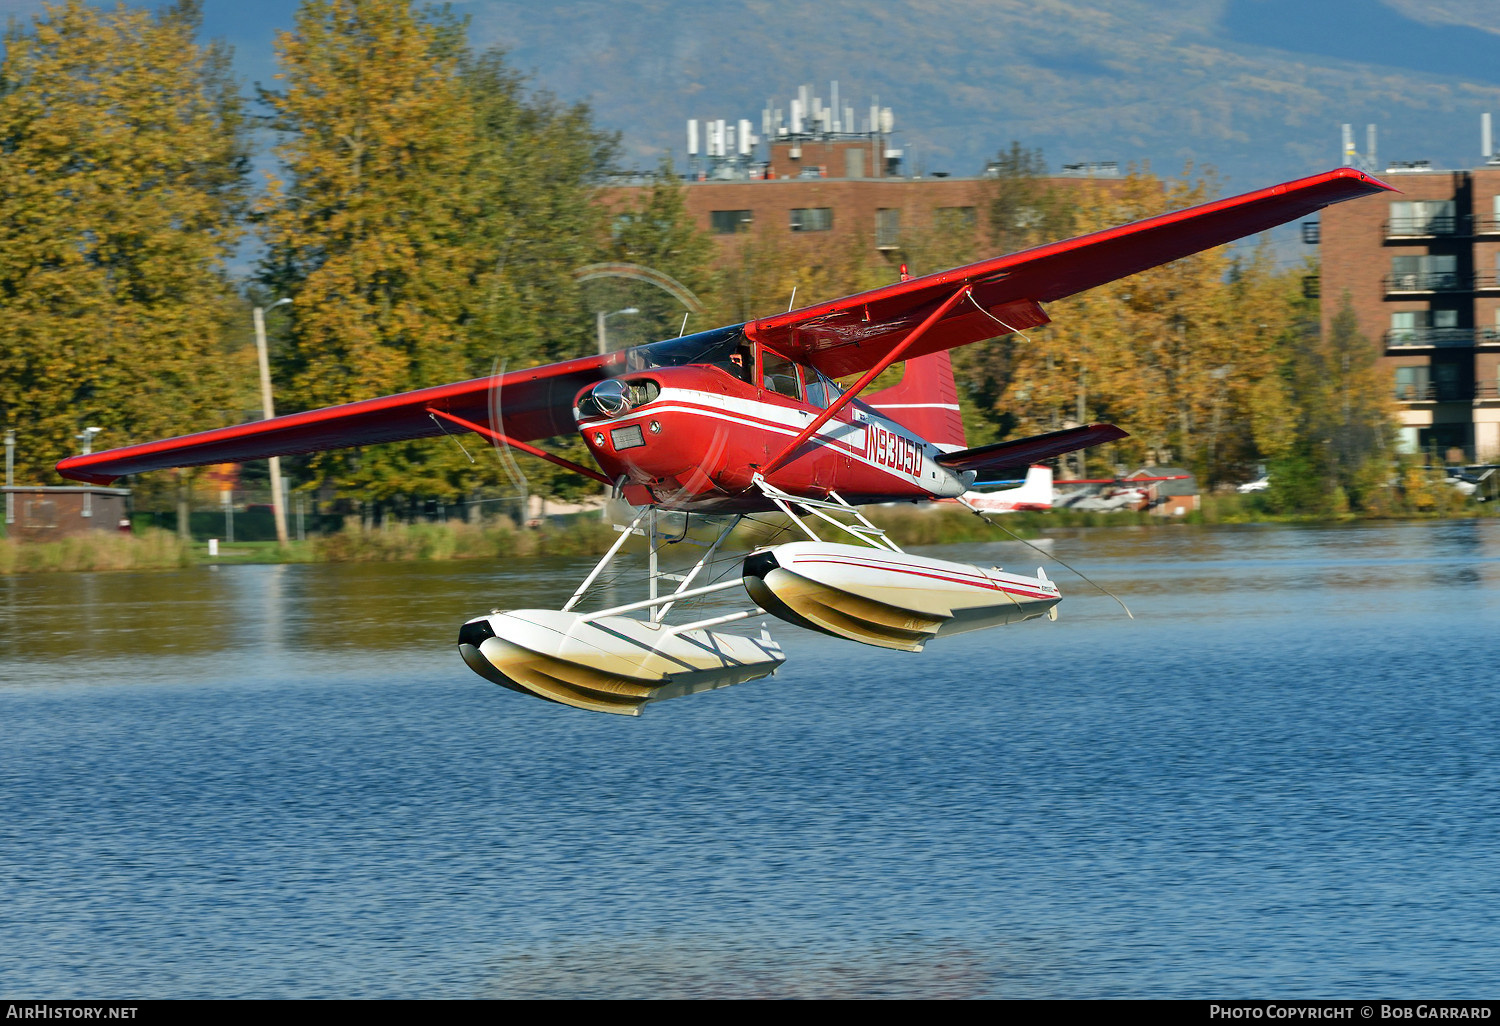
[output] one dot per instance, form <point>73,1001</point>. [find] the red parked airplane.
<point>746,419</point>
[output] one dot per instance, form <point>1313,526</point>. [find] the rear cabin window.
<point>820,391</point>
<point>778,374</point>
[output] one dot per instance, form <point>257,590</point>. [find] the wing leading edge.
<point>535,403</point>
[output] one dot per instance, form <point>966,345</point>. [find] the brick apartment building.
<point>1421,269</point>
<point>837,189</point>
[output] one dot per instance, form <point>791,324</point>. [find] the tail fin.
<point>1034,494</point>
<point>1037,488</point>
<point>925,400</point>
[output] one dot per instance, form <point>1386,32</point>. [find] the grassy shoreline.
<point>589,536</point>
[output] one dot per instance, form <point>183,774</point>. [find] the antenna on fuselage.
<point>789,302</point>
<point>683,329</point>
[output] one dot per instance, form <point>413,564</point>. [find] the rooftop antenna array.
<point>727,150</point>
<point>719,149</point>
<point>807,118</point>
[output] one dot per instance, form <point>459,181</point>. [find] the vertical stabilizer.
<point>1034,494</point>
<point>925,400</point>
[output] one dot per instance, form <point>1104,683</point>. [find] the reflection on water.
<point>282,781</point>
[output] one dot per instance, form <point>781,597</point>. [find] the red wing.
<point>535,403</point>
<point>843,337</point>
<point>1022,452</point>
<point>850,335</point>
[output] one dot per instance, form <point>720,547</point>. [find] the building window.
<point>1404,327</point>
<point>812,219</point>
<point>1424,273</point>
<point>955,218</point>
<point>1422,217</point>
<point>887,228</point>
<point>38,513</point>
<point>1411,383</point>
<point>727,222</point>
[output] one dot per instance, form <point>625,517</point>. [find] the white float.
<point>889,598</point>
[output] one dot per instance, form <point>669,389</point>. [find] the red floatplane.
<point>747,419</point>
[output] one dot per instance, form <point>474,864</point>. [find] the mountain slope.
<point>1257,88</point>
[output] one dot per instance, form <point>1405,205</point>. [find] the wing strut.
<point>495,436</point>
<point>786,455</point>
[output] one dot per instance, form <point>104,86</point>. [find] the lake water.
<point>1280,780</point>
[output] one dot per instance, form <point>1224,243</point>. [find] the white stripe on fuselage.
<point>849,439</point>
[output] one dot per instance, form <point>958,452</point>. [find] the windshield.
<point>715,346</point>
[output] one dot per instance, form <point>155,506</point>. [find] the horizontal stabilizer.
<point>993,462</point>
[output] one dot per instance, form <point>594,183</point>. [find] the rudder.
<point>926,401</point>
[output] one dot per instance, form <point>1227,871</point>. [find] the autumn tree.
<point>365,235</point>
<point>431,219</point>
<point>122,177</point>
<point>1020,206</point>
<point>1178,354</point>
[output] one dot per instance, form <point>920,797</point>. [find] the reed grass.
<point>96,550</point>
<point>455,539</point>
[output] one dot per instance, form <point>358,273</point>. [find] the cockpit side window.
<point>778,374</point>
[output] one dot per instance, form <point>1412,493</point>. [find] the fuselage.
<point>695,436</point>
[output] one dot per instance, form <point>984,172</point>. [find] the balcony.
<point>1487,282</point>
<point>1417,282</point>
<point>1430,338</point>
<point>1428,392</point>
<point>1487,226</point>
<point>1447,226</point>
<point>1311,232</point>
<point>1490,390</point>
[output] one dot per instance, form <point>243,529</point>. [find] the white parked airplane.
<point>1035,493</point>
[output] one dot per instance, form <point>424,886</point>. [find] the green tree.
<point>1340,453</point>
<point>533,185</point>
<point>656,231</point>
<point>122,178</point>
<point>1023,206</point>
<point>429,227</point>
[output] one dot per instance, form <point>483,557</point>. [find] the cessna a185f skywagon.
<point>747,419</point>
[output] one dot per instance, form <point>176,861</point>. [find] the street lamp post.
<point>10,476</point>
<point>601,317</point>
<point>278,509</point>
<point>87,438</point>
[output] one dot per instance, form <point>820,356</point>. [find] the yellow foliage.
<point>121,183</point>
